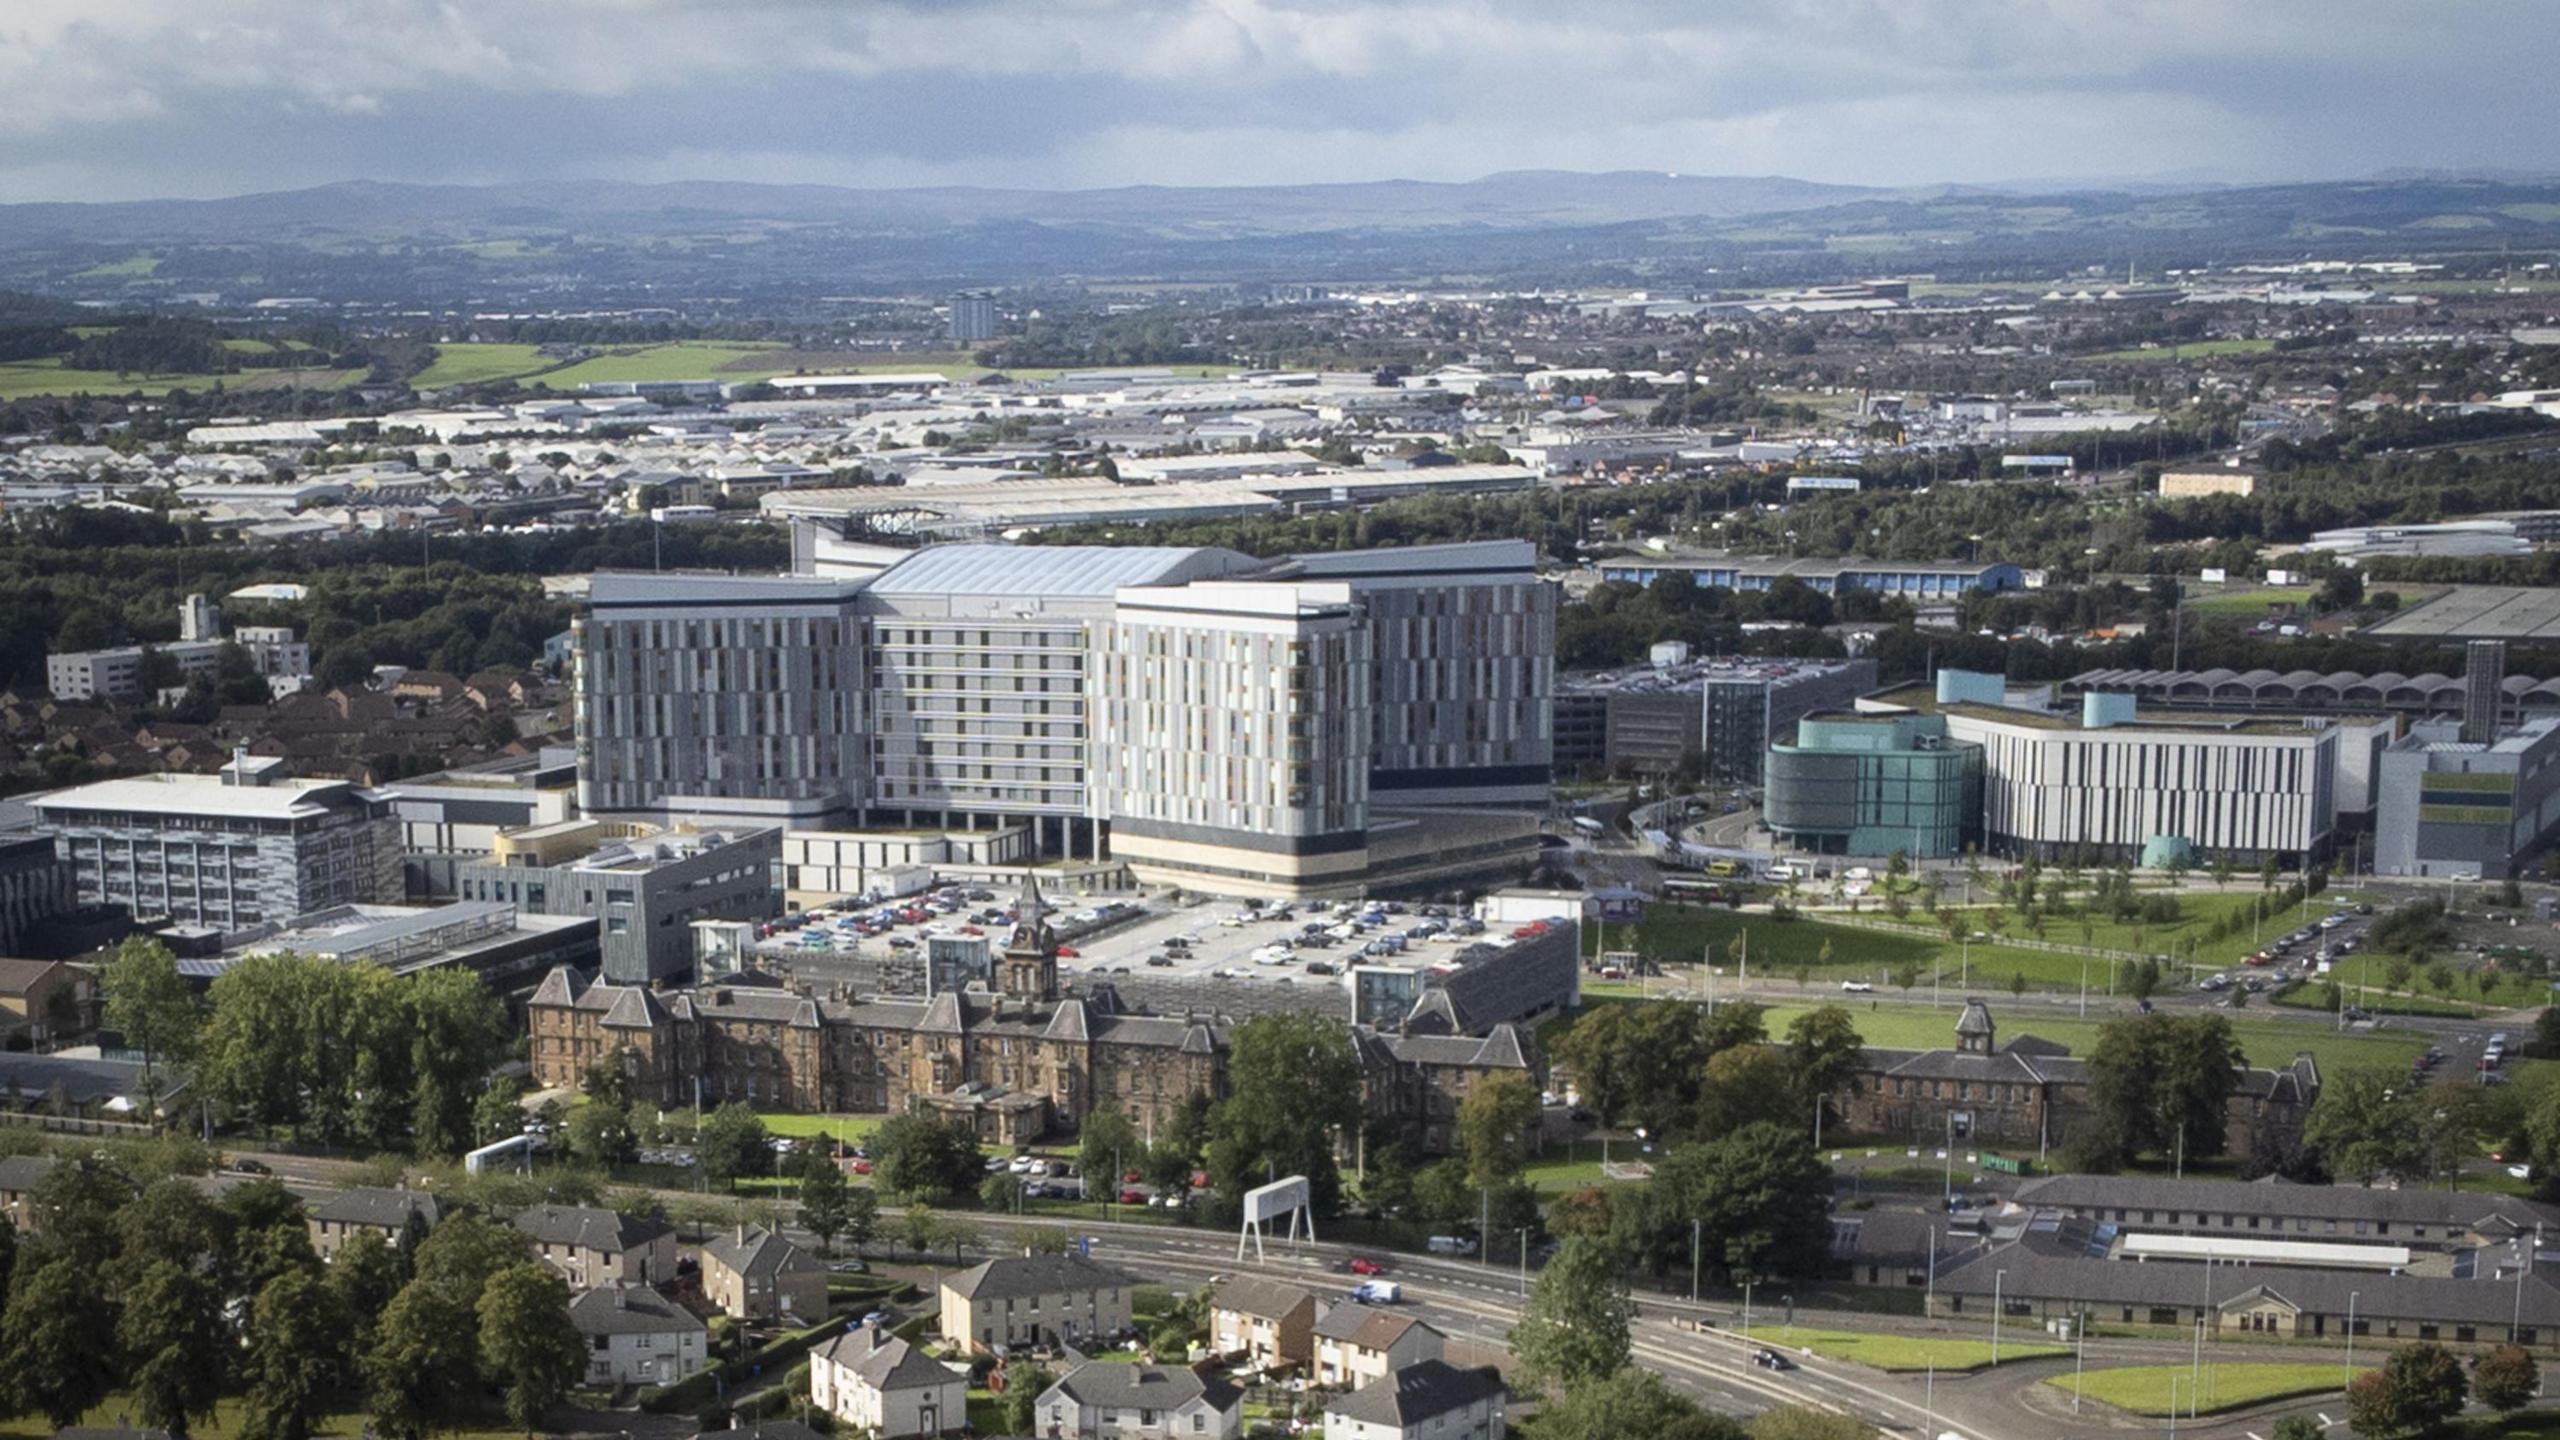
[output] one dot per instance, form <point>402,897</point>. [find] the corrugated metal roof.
<point>1088,570</point>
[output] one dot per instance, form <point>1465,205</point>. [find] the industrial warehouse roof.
<point>1078,570</point>
<point>198,795</point>
<point>2478,612</point>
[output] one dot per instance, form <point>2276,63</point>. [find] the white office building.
<point>230,851</point>
<point>1207,717</point>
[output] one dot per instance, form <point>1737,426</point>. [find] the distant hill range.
<point>1515,199</point>
<point>610,242</point>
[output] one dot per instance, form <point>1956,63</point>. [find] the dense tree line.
<point>135,1281</point>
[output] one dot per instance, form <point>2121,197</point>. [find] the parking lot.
<point>1127,935</point>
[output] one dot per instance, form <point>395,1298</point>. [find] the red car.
<point>1132,1197</point>
<point>861,1167</point>
<point>1066,952</point>
<point>1363,1265</point>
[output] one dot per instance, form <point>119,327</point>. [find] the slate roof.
<point>1019,1277</point>
<point>1502,1049</point>
<point>1416,1393</point>
<point>884,1362</point>
<point>753,1252</point>
<point>1263,1299</point>
<point>630,1310</point>
<point>588,1228</point>
<point>1366,1326</point>
<point>369,1205</point>
<point>19,1173</point>
<point>2276,1197</point>
<point>1112,1385</point>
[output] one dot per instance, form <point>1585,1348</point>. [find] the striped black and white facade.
<point>2243,791</point>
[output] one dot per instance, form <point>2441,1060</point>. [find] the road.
<point>1688,1345</point>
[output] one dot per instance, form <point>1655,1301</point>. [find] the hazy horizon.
<point>191,99</point>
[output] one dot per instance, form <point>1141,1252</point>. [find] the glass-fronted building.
<point>1874,784</point>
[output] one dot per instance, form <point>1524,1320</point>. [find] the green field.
<point>680,360</point>
<point>851,1129</point>
<point>2193,350</point>
<point>23,378</point>
<point>1680,934</point>
<point>2265,1042</point>
<point>1898,1352</point>
<point>132,267</point>
<point>2364,974</point>
<point>2198,910</point>
<point>2145,1389</point>
<point>472,363</point>
<point>2248,604</point>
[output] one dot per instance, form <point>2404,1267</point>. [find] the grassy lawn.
<point>2364,976</point>
<point>2266,1042</point>
<point>1899,1352</point>
<point>851,1129</point>
<point>227,1420</point>
<point>679,360</point>
<point>1680,934</point>
<point>2192,350</point>
<point>2197,912</point>
<point>2144,1389</point>
<point>471,363</point>
<point>24,378</point>
<point>1571,1171</point>
<point>2249,604</point>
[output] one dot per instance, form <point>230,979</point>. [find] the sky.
<point>130,99</point>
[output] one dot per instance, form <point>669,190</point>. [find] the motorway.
<point>1478,1304</point>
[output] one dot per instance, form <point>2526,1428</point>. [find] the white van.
<point>1451,1245</point>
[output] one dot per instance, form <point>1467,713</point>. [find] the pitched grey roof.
<point>1417,1393</point>
<point>367,1205</point>
<point>2089,1193</point>
<point>1265,1299</point>
<point>19,1173</point>
<point>1146,1387</point>
<point>587,1228</point>
<point>1365,1326</point>
<point>885,1362</point>
<point>1019,1277</point>
<point>756,1252</point>
<point>630,1310</point>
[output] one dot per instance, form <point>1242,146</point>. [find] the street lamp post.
<point>2080,1358</point>
<point>1696,1230</point>
<point>1997,1276</point>
<point>1524,1262</point>
<point>2350,1368</point>
<point>1818,1102</point>
<point>1746,1309</point>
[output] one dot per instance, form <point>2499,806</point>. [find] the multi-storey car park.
<point>1317,723</point>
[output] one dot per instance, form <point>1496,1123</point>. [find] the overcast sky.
<point>121,99</point>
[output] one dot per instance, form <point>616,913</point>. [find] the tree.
<point>1748,1085</point>
<point>461,1253</point>
<point>526,1341</point>
<point>152,1005</point>
<point>297,1350</point>
<point>2418,1391</point>
<point>1576,1326</point>
<point>861,1216</point>
<point>363,1276</point>
<point>1762,1188</point>
<point>175,1343</point>
<point>2158,1082</point>
<point>457,1031</point>
<point>824,1203</point>
<point>601,1134</point>
<point>1632,1401</point>
<point>1494,1124</point>
<point>1826,1054</point>
<point>498,1110</point>
<point>424,1360</point>
<point>2504,1378</point>
<point>921,1228</point>
<point>266,1236</point>
<point>1020,1405</point>
<point>925,1158</point>
<point>1106,1146</point>
<point>57,1342</point>
<point>1294,1082</point>
<point>732,1144</point>
<point>2364,1128</point>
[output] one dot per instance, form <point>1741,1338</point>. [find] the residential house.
<point>880,1385</point>
<point>638,1337</point>
<point>47,999</point>
<point>398,1216</point>
<point>1035,1300</point>
<point>591,1247</point>
<point>1357,1345</point>
<point>19,1174</point>
<point>1263,1324</point>
<point>755,1274</point>
<point>1432,1400</point>
<point>1111,1401</point>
